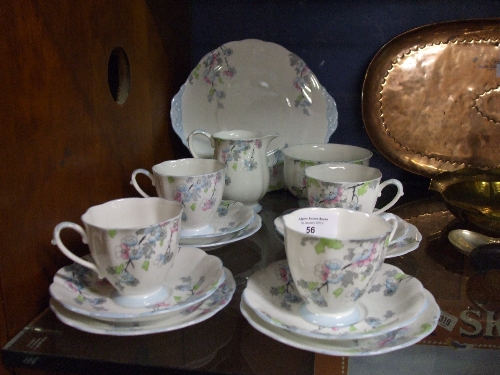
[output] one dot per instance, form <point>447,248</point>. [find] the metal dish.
<point>431,97</point>
<point>472,195</point>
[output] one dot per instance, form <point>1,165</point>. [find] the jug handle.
<point>191,145</point>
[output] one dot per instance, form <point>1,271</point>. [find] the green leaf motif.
<point>400,276</point>
<point>177,298</point>
<point>312,182</point>
<point>80,298</point>
<point>193,207</point>
<point>281,290</point>
<point>312,285</point>
<point>303,164</point>
<point>328,242</point>
<point>363,188</point>
<point>196,287</point>
<point>170,179</point>
<point>337,292</point>
<point>426,327</point>
<point>112,233</point>
<point>119,269</point>
<point>235,166</point>
<point>145,265</point>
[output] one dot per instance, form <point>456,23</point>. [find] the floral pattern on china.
<point>392,301</point>
<point>195,277</point>
<point>194,190</point>
<point>336,273</point>
<point>236,150</point>
<point>213,76</point>
<point>133,249</point>
<point>336,195</point>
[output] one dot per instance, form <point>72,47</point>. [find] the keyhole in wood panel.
<point>119,75</point>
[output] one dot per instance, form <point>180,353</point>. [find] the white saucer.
<point>175,320</point>
<point>409,242</point>
<point>250,229</point>
<point>393,300</point>
<point>406,238</point>
<point>194,277</point>
<point>390,341</point>
<point>230,218</point>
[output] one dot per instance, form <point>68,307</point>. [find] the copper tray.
<point>431,97</point>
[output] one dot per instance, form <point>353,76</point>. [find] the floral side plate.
<point>390,341</point>
<point>175,320</point>
<point>392,301</point>
<point>254,85</point>
<point>193,278</point>
<point>230,218</point>
<point>250,229</point>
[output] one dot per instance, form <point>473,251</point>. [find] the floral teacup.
<point>196,183</point>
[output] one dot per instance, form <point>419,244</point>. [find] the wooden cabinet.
<point>76,120</point>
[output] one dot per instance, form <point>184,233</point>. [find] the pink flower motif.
<point>123,252</point>
<point>174,228</point>
<point>178,196</point>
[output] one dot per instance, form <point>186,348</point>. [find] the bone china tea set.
<point>149,269</point>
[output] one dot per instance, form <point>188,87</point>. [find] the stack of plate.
<point>199,286</point>
<point>397,311</point>
<point>233,222</point>
<point>405,239</point>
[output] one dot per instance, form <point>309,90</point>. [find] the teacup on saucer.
<point>194,278</point>
<point>393,300</point>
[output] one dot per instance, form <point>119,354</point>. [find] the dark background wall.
<point>337,40</point>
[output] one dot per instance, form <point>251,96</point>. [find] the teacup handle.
<point>391,219</point>
<point>133,181</point>
<point>56,240</point>
<point>191,145</point>
<point>398,195</point>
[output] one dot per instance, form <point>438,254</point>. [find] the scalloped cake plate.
<point>430,97</point>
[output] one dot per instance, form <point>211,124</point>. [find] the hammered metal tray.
<point>431,97</point>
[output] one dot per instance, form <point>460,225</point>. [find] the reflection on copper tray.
<point>431,97</point>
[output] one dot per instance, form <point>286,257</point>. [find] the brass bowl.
<point>472,195</point>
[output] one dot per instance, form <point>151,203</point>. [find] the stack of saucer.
<point>396,312</point>
<point>233,221</point>
<point>199,286</point>
<point>406,238</point>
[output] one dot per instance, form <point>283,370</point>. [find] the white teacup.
<point>244,153</point>
<point>298,157</point>
<point>356,187</point>
<point>133,242</point>
<point>333,254</point>
<point>196,183</point>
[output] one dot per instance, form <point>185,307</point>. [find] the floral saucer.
<point>393,300</point>
<point>230,218</point>
<point>193,278</point>
<point>250,229</point>
<point>387,342</point>
<point>177,319</point>
<point>406,238</point>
